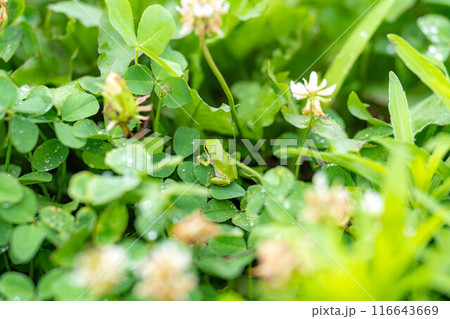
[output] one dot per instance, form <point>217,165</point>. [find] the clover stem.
<point>305,135</point>
<point>8,155</point>
<point>223,83</point>
<point>249,170</point>
<point>5,257</point>
<point>158,116</point>
<point>136,55</point>
<point>62,181</point>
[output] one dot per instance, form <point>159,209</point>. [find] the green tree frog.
<point>224,165</point>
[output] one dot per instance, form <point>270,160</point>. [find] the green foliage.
<point>347,204</point>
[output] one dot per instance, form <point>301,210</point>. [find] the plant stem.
<point>249,170</point>
<point>158,116</point>
<point>136,55</point>
<point>305,135</point>
<point>222,82</point>
<point>8,155</point>
<point>8,268</point>
<point>63,181</point>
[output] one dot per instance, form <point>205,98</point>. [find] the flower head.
<point>314,93</point>
<point>165,274</point>
<point>277,261</point>
<point>120,106</point>
<point>202,16</point>
<point>3,13</point>
<point>101,269</point>
<point>195,229</point>
<point>325,203</point>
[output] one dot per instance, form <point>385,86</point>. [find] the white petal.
<point>313,81</point>
<point>322,85</point>
<point>327,91</point>
<point>298,90</point>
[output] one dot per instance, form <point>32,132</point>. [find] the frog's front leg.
<point>220,181</point>
<point>203,161</point>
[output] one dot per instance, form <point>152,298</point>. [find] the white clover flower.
<point>101,269</point>
<point>372,203</point>
<point>202,16</point>
<point>324,203</point>
<point>3,12</point>
<point>165,274</point>
<point>277,261</point>
<point>195,229</point>
<point>314,93</point>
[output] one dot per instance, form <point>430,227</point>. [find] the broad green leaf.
<point>326,128</point>
<point>399,110</point>
<point>38,102</point>
<point>87,187</point>
<point>227,245</point>
<point>57,219</point>
<point>24,134</point>
<point>46,285</point>
<point>186,172</point>
<point>87,14</point>
<point>20,212</point>
<point>359,110</point>
<point>86,219</point>
<point>437,29</point>
<point>356,43</point>
<point>172,68</point>
<point>175,92</point>
<point>163,165</point>
<point>429,73</point>
<point>35,178</point>
<point>139,79</point>
<point>91,84</point>
<point>65,255</point>
<point>16,286</point>
<point>208,118</point>
<point>5,232</point>
<point>227,192</point>
<point>246,220</point>
<point>15,9</point>
<point>64,133</point>
<point>10,190</point>
<point>111,224</point>
<point>79,106</point>
<point>172,56</point>
<point>428,112</point>
<point>25,242</point>
<point>121,18</point>
<point>49,155</point>
<point>247,9</point>
<point>85,128</point>
<point>224,267</point>
<point>219,210</point>
<point>9,41</point>
<point>278,181</point>
<point>156,29</point>
<point>9,93</point>
<point>371,133</point>
<point>115,54</point>
<point>13,170</point>
<point>186,141</point>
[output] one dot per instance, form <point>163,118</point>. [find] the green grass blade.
<point>398,108</point>
<point>356,43</point>
<point>420,65</point>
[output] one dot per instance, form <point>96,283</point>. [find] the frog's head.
<point>213,147</point>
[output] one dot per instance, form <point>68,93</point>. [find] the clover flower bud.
<point>314,93</point>
<point>195,229</point>
<point>202,16</point>
<point>100,269</point>
<point>120,106</point>
<point>165,274</point>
